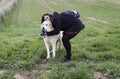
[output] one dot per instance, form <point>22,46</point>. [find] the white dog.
<point>51,40</point>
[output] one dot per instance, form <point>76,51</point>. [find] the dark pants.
<point>67,36</point>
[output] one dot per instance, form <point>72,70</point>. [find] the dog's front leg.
<point>54,49</point>
<point>48,50</point>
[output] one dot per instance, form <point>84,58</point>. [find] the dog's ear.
<point>42,19</point>
<point>47,18</point>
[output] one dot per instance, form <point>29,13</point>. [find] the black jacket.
<point>64,22</point>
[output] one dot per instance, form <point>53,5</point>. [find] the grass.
<point>95,49</point>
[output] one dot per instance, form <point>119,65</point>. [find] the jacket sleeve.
<point>57,25</point>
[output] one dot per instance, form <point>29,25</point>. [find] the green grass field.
<point>95,49</point>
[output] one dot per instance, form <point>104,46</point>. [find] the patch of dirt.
<point>2,72</point>
<point>38,70</point>
<point>18,76</point>
<point>99,75</point>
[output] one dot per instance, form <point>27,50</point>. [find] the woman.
<point>70,24</point>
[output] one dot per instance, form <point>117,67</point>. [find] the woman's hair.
<point>47,14</point>
<point>55,13</point>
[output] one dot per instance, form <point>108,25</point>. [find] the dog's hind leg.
<point>54,49</point>
<point>60,43</point>
<point>51,51</point>
<point>48,50</point>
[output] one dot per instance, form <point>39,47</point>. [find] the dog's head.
<point>47,26</point>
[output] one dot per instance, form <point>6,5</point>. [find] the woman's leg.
<point>67,36</point>
<point>67,45</point>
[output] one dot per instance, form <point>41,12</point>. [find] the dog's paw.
<point>53,57</point>
<point>51,51</point>
<point>48,58</point>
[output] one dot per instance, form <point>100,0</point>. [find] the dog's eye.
<point>46,24</point>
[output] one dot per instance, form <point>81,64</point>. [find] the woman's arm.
<point>57,26</point>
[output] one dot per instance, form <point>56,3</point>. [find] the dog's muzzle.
<point>43,29</point>
<point>43,32</point>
